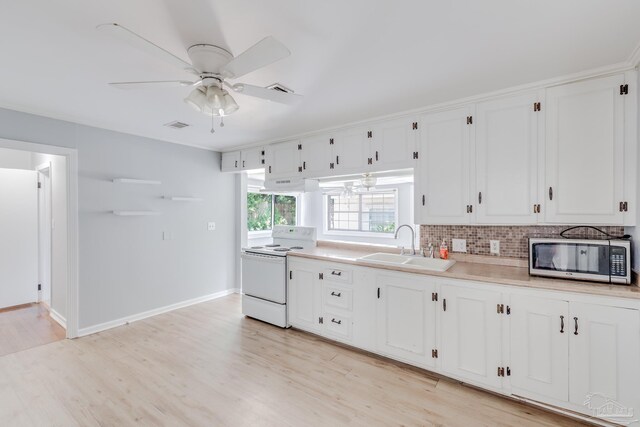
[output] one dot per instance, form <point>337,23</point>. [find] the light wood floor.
<point>27,326</point>
<point>207,365</point>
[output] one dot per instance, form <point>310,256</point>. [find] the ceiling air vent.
<point>176,125</point>
<point>280,88</point>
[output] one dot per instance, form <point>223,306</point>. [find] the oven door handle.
<point>266,258</point>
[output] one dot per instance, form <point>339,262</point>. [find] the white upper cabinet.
<point>540,329</point>
<point>506,140</point>
<point>394,142</point>
<point>252,158</point>
<point>585,152</point>
<point>317,156</point>
<point>283,160</point>
<point>604,351</point>
<point>471,334</point>
<point>351,150</point>
<point>230,161</point>
<point>442,185</point>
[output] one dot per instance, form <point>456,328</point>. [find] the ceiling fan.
<point>350,188</point>
<point>213,66</point>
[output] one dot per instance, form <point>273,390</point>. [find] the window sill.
<point>389,236</point>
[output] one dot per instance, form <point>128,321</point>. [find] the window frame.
<point>357,233</point>
<point>256,234</point>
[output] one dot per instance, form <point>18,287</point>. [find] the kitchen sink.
<point>419,263</point>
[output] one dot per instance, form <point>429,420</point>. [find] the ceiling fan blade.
<point>149,84</point>
<point>140,42</point>
<point>268,94</point>
<point>261,54</point>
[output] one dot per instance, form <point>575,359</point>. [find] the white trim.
<point>58,318</point>
<point>71,154</point>
<point>136,181</point>
<point>154,312</point>
<point>618,68</point>
<point>634,58</point>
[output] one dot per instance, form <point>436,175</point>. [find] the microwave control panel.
<point>617,261</point>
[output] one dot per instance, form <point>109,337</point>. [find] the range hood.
<point>298,185</point>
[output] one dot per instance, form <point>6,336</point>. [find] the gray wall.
<point>15,159</point>
<point>125,265</point>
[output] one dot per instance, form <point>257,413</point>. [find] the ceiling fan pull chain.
<point>221,121</point>
<point>212,129</point>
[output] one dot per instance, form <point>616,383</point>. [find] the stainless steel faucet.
<point>413,237</point>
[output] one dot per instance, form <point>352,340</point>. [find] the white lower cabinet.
<point>604,356</point>
<point>304,297</point>
<point>406,318</point>
<point>471,334</point>
<point>539,347</point>
<point>569,350</point>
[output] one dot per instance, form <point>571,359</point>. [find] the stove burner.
<point>256,247</point>
<point>271,246</point>
<point>296,247</point>
<point>281,250</point>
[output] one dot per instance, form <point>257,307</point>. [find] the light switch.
<point>211,226</point>
<point>459,245</point>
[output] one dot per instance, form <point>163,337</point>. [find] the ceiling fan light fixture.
<point>230,104</point>
<point>197,99</point>
<point>368,181</point>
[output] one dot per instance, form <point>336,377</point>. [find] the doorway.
<point>47,311</point>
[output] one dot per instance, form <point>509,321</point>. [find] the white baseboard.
<point>128,319</point>
<point>58,318</point>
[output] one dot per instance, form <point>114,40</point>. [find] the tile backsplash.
<point>513,239</point>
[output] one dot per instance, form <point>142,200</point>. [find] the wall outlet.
<point>211,226</point>
<point>459,245</point>
<point>494,247</point>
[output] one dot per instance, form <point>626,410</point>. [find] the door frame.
<point>71,156</point>
<point>40,169</point>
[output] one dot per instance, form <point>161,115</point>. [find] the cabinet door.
<point>604,355</point>
<point>470,338</point>
<point>506,160</point>
<point>317,155</point>
<point>406,318</point>
<point>539,347</point>
<point>252,158</point>
<point>584,152</point>
<point>351,150</point>
<point>442,188</point>
<point>230,161</point>
<point>305,295</point>
<point>394,142</point>
<point>283,160</point>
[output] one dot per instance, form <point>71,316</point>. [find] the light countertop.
<point>491,272</point>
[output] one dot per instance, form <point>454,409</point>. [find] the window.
<point>372,212</point>
<point>265,210</point>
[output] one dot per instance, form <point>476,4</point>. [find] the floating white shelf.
<point>183,199</point>
<point>136,181</point>
<point>136,213</point>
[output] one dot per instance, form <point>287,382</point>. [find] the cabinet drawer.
<point>337,275</point>
<point>339,326</point>
<point>337,297</point>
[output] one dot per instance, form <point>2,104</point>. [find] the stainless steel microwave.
<point>598,260</point>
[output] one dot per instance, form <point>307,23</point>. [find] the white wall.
<point>59,274</point>
<point>15,159</point>
<point>125,266</point>
<point>313,215</point>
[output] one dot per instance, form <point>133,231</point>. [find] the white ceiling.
<point>352,59</point>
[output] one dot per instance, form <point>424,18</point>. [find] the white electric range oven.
<point>264,273</point>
